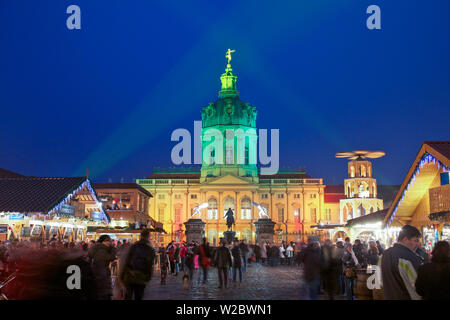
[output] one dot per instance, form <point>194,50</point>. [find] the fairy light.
<point>426,158</point>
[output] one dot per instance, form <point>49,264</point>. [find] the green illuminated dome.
<point>229,109</point>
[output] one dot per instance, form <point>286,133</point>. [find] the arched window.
<point>352,171</point>
<point>212,209</point>
<point>280,214</point>
<point>371,210</point>
<point>228,204</point>
<point>246,209</point>
<point>363,171</point>
<point>361,210</point>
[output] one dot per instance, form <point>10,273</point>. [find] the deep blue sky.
<point>108,96</point>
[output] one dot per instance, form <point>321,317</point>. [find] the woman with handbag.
<point>350,263</point>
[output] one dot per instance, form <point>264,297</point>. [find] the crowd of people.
<point>121,270</point>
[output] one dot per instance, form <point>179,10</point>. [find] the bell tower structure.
<point>360,186</point>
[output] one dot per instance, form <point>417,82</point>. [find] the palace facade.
<point>230,178</point>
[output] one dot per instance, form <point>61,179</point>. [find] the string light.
<point>426,158</point>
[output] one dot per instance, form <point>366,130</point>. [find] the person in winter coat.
<point>244,253</point>
<point>237,261</point>
<point>183,255</point>
<point>310,257</point>
<point>433,279</point>
<point>257,251</point>
<point>373,254</point>
<point>275,255</point>
<point>204,259</point>
<point>263,253</point>
<point>350,263</point>
<point>101,255</point>
<point>223,261</point>
<point>330,266</point>
<point>289,253</point>
<point>339,254</point>
<point>189,262</point>
<point>138,268</point>
<point>359,251</point>
<point>399,266</point>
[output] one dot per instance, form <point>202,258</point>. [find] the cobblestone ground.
<point>259,283</point>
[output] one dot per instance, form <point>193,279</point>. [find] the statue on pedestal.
<point>230,219</point>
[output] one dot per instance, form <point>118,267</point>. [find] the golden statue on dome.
<point>228,56</point>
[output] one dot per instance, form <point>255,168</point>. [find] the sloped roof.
<point>440,152</point>
<point>119,185</point>
<point>9,174</point>
<point>376,216</point>
<point>26,195</point>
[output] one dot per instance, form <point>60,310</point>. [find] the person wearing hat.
<point>101,255</point>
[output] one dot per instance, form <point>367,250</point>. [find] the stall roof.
<point>436,153</point>
<point>119,185</point>
<point>26,195</point>
<point>373,217</point>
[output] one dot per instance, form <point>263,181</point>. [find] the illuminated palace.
<point>294,200</point>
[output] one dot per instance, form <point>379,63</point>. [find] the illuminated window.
<point>161,196</point>
<point>193,196</point>
<point>228,204</point>
<point>296,195</point>
<point>178,215</point>
<point>212,209</point>
<point>313,214</point>
<point>280,214</point>
<point>264,196</point>
<point>161,214</point>
<point>246,209</point>
<point>280,196</point>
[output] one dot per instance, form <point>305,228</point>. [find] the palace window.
<point>193,196</point>
<point>246,235</point>
<point>246,209</point>
<point>280,196</point>
<point>264,196</point>
<point>161,196</point>
<point>312,195</point>
<point>246,155</point>
<point>212,209</point>
<point>178,196</point>
<point>161,214</point>
<point>177,215</point>
<point>280,214</point>
<point>313,215</point>
<point>328,214</point>
<point>352,171</point>
<point>297,215</point>
<point>296,195</point>
<point>228,204</point>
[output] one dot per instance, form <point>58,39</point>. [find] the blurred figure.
<point>237,261</point>
<point>350,263</point>
<point>101,255</point>
<point>373,254</point>
<point>222,260</point>
<point>138,267</point>
<point>310,257</point>
<point>329,268</point>
<point>433,279</point>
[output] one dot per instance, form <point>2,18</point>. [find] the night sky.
<point>108,96</point>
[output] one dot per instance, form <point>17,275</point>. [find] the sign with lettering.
<point>4,228</point>
<point>16,216</point>
<point>67,209</point>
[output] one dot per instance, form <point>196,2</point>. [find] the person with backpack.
<point>138,268</point>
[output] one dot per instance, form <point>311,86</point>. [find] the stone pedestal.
<point>264,230</point>
<point>195,230</point>
<point>229,237</point>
